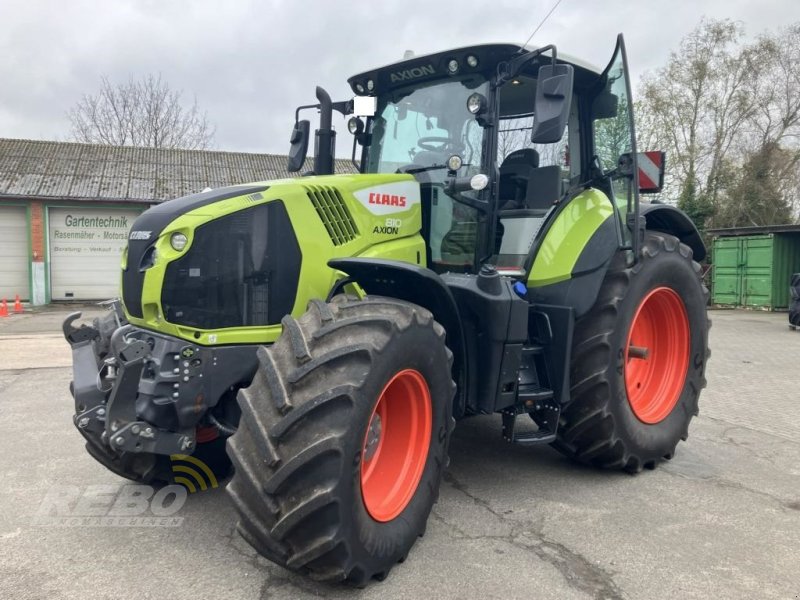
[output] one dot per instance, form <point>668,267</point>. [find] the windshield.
<point>416,131</point>
<point>425,126</point>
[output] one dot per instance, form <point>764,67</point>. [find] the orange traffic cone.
<point>17,304</point>
<point>4,308</point>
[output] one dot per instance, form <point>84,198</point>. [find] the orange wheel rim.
<point>657,355</point>
<point>396,444</point>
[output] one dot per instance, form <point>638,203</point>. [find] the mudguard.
<point>418,285</point>
<point>670,219</point>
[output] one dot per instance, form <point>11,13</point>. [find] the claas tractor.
<point>317,338</point>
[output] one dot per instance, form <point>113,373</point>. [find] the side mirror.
<point>651,171</point>
<point>299,146</point>
<point>553,99</point>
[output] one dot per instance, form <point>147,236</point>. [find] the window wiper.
<point>413,170</point>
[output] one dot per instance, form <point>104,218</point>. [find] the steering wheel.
<point>445,144</point>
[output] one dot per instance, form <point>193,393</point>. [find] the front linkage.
<point>141,397</point>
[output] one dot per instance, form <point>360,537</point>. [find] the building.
<point>752,266</point>
<point>65,208</point>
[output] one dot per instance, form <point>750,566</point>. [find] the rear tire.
<point>307,425</point>
<point>663,299</point>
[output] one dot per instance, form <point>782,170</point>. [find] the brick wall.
<point>37,231</point>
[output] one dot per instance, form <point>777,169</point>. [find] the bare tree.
<point>777,89</point>
<point>512,135</point>
<point>140,113</point>
<point>726,111</point>
<point>515,134</point>
<point>772,142</point>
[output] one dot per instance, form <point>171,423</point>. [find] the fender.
<point>417,285</point>
<point>670,219</point>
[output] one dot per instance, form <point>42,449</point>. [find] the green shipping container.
<point>754,270</point>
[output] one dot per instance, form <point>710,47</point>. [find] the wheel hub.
<point>373,437</point>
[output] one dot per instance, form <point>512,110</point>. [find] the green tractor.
<point>319,337</point>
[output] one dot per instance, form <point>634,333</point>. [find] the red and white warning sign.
<point>651,171</point>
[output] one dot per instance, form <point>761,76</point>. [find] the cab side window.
<point>611,132</point>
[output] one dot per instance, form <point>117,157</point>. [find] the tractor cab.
<point>498,137</point>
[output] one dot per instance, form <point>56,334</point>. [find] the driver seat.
<point>514,175</point>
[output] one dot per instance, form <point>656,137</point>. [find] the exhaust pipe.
<point>325,136</point>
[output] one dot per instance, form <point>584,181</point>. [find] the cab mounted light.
<point>178,241</point>
<point>472,60</point>
<point>476,103</point>
<point>452,66</point>
<point>370,85</point>
<point>454,162</point>
<point>360,88</point>
<point>355,125</point>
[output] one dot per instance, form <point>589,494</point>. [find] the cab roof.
<point>428,67</point>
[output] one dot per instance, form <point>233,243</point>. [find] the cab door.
<point>614,142</point>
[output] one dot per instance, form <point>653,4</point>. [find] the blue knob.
<point>520,289</point>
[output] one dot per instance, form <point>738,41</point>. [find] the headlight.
<point>178,241</point>
<point>478,182</point>
<point>454,162</point>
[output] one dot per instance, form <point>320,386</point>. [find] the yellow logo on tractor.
<point>190,477</point>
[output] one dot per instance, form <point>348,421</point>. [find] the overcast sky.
<point>250,63</point>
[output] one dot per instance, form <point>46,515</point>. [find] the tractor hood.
<point>225,266</point>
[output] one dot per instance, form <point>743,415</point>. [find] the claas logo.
<point>192,473</point>
<point>387,199</point>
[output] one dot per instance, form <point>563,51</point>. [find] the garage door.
<point>85,249</point>
<point>14,252</point>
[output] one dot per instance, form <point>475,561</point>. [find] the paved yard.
<point>721,520</point>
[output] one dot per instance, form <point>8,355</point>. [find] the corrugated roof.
<point>764,229</point>
<point>72,171</point>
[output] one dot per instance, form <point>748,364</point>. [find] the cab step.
<point>540,404</point>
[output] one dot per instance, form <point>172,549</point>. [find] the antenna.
<point>542,22</point>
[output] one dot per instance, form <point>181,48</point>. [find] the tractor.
<point>317,338</point>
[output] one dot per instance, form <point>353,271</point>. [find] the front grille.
<point>333,212</point>
<point>241,270</point>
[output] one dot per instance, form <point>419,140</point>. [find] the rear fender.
<point>669,219</point>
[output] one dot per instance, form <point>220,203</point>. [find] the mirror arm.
<point>304,107</point>
<point>514,66</point>
<point>345,107</point>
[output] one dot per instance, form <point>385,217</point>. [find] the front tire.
<point>638,361</point>
<point>343,438</point>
